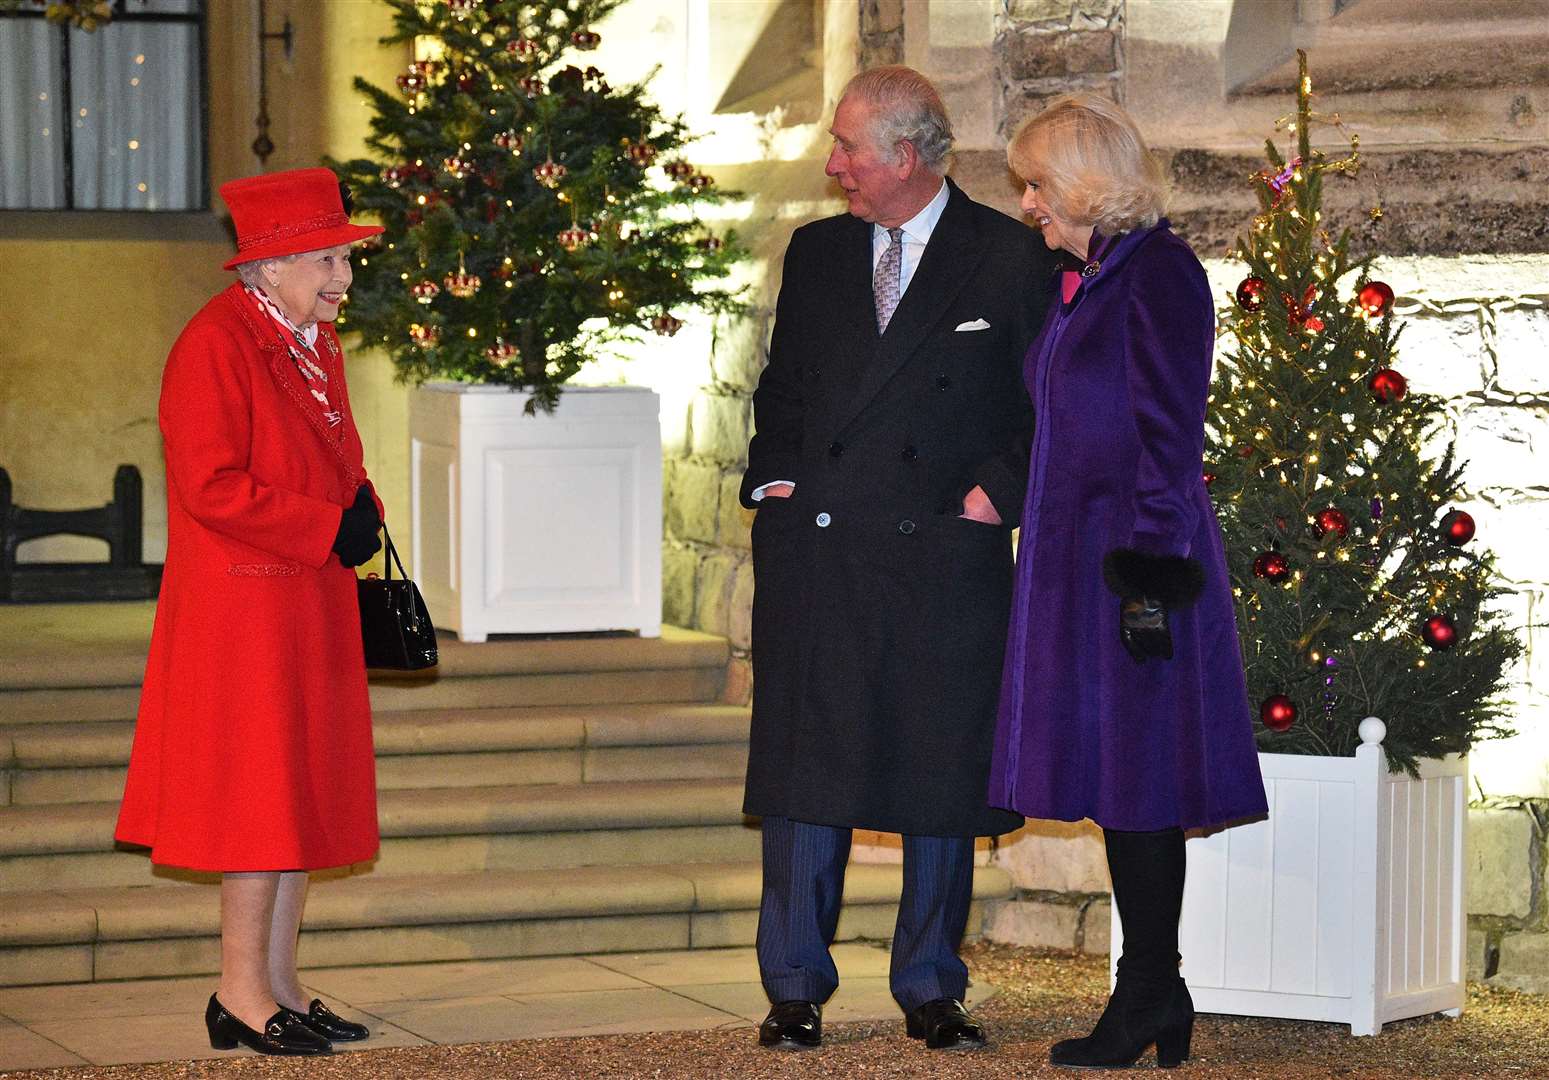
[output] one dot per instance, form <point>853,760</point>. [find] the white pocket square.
<point>977,324</point>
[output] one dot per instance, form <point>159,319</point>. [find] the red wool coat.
<point>252,749</point>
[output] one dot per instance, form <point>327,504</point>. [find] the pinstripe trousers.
<point>799,914</point>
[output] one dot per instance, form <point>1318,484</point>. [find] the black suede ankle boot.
<point>1150,1004</point>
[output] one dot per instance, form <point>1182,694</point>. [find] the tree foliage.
<point>1335,487</point>
<point>534,213</point>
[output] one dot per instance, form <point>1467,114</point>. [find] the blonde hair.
<point>906,108</point>
<point>1091,164</point>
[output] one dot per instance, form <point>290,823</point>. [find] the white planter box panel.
<point>1345,905</point>
<point>537,524</point>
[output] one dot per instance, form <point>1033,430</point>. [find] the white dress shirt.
<point>917,232</point>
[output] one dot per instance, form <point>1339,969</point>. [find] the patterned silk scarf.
<point>302,347</point>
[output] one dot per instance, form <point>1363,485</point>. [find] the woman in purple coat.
<point>1123,697</point>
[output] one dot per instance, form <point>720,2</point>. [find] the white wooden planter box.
<point>537,524</point>
<point>1346,905</point>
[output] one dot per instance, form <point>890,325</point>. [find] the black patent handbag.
<point>395,625</point>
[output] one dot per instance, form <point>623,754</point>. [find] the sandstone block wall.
<point>1045,48</point>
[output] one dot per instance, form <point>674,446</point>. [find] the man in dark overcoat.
<point>888,469</point>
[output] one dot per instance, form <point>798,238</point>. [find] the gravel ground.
<point>1043,997</point>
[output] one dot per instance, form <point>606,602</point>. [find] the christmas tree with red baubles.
<point>1361,587</point>
<point>535,214</point>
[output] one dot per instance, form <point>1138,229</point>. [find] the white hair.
<point>908,109</point>
<point>252,272</point>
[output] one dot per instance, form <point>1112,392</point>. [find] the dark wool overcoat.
<point>1119,377</point>
<point>253,750</point>
<point>879,616</point>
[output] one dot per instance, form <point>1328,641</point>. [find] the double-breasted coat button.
<point>943,382</point>
<point>909,453</point>
<point>823,520</point>
<point>906,527</point>
<point>835,449</point>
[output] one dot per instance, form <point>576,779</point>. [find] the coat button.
<point>823,520</point>
<point>906,527</point>
<point>909,453</point>
<point>814,372</point>
<point>943,382</point>
<point>835,449</point>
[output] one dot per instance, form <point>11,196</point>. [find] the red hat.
<point>287,213</point>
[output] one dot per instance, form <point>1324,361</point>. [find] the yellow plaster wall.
<point>94,301</point>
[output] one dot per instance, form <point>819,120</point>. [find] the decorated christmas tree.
<point>534,213</point>
<point>1361,587</point>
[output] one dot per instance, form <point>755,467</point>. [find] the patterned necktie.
<point>884,283</point>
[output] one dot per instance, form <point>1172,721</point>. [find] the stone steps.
<point>78,935</point>
<point>42,764</point>
<point>64,685</point>
<point>536,797</point>
<point>427,830</point>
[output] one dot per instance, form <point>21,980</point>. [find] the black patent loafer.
<point>792,1025</point>
<point>329,1024</point>
<point>283,1034</point>
<point>945,1025</point>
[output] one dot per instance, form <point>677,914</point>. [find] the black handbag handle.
<point>391,557</point>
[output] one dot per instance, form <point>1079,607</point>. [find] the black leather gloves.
<point>1146,586</point>
<point>357,539</point>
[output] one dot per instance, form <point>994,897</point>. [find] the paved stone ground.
<point>689,1016</point>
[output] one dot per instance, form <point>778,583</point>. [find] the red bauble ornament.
<point>1375,298</point>
<point>678,170</point>
<point>666,325</point>
<point>1250,293</point>
<point>1210,477</point>
<point>532,86</point>
<point>1313,323</point>
<point>1458,528</point>
<point>1272,566</point>
<point>699,181</point>
<point>712,244</point>
<point>509,140</point>
<point>522,47</point>
<point>1278,712</point>
<point>1388,386</point>
<point>1439,632</point>
<point>1330,520</point>
<point>586,39</point>
<point>425,291</point>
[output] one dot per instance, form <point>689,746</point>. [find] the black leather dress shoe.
<point>283,1034</point>
<point>945,1025</point>
<point>329,1024</point>
<point>792,1025</point>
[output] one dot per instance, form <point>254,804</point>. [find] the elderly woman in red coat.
<point>1122,697</point>
<point>252,752</point>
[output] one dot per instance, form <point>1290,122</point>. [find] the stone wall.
<point>707,567</point>
<point>1508,931</point>
<point>1045,48</point>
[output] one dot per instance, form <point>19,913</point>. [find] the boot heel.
<point>1172,1044</point>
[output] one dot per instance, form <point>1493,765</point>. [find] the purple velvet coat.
<point>1118,380</point>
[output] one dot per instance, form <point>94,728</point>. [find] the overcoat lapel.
<point>283,370</point>
<point>945,267</point>
<point>852,312</point>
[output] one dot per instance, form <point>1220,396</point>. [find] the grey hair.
<point>908,109</point>
<point>251,273</point>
